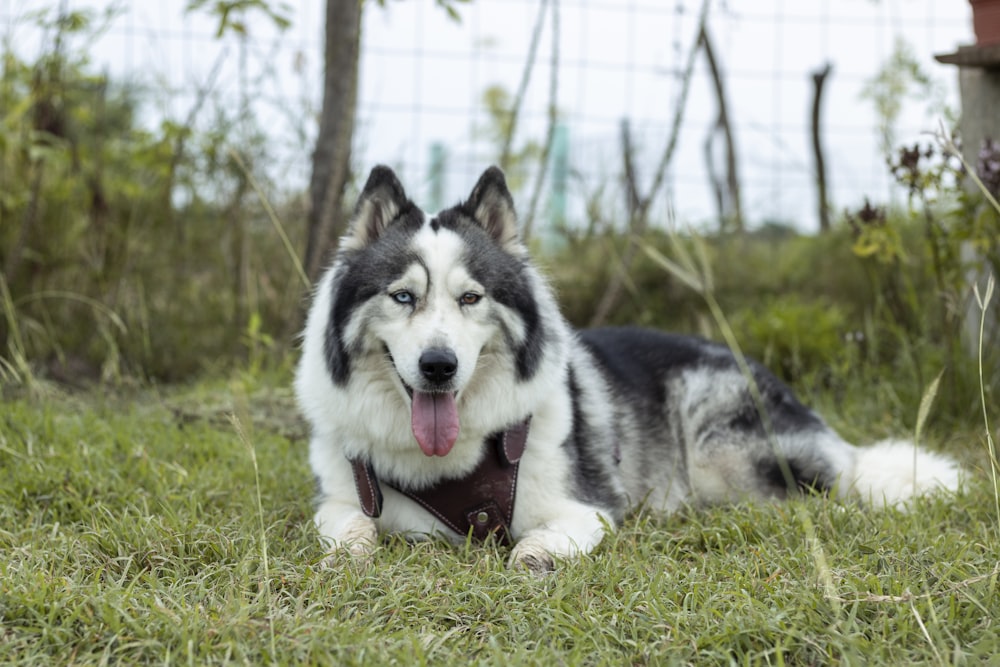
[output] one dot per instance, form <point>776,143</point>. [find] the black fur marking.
<point>665,350</point>
<point>382,177</point>
<point>591,475</point>
<point>362,274</point>
<point>785,412</point>
<point>638,360</point>
<point>506,281</point>
<point>318,496</point>
<point>333,346</point>
<point>772,473</point>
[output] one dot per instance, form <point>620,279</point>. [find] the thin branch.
<point>735,212</point>
<point>631,180</point>
<point>273,216</point>
<point>550,132</point>
<point>640,220</point>
<point>823,208</point>
<point>675,130</point>
<point>714,180</point>
<point>529,66</point>
<point>177,155</point>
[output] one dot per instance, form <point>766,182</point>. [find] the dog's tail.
<point>890,472</point>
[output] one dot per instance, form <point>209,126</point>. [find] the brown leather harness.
<point>479,504</point>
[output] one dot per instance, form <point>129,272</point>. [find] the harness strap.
<point>481,503</point>
<point>367,486</point>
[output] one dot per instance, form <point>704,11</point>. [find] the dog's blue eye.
<point>469,298</point>
<point>403,297</point>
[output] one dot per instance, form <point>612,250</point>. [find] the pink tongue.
<point>434,420</point>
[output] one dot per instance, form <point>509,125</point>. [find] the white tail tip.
<point>891,472</point>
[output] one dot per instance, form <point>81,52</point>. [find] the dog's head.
<point>443,303</point>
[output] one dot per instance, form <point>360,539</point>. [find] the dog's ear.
<point>381,200</point>
<point>492,206</point>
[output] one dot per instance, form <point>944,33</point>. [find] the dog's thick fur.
<point>429,333</point>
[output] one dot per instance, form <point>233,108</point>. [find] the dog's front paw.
<point>532,556</point>
<point>356,538</point>
<point>540,548</point>
<point>537,564</point>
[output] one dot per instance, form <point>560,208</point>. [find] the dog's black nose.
<point>438,364</point>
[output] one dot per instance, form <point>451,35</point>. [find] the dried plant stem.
<point>273,216</point>
<point>639,219</point>
<point>984,302</point>
<point>529,67</point>
<point>550,132</point>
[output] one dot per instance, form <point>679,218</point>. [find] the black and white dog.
<point>447,394</point>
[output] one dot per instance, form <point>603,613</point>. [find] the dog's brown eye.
<point>469,298</point>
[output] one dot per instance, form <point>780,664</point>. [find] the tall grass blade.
<point>16,368</point>
<point>984,303</point>
<point>925,633</point>
<point>674,269</point>
<point>238,426</point>
<point>96,305</point>
<point>273,216</point>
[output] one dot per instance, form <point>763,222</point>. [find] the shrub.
<point>130,251</point>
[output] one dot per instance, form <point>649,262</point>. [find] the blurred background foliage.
<point>145,255</point>
<point>129,252</point>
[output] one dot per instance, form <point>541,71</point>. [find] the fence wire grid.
<point>425,77</point>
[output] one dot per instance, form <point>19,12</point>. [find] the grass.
<point>134,530</point>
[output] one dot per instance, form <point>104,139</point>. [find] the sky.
<point>424,74</point>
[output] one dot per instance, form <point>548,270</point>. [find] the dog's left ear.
<point>492,206</point>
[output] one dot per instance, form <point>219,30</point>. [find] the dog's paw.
<point>338,559</point>
<point>356,540</point>
<point>532,557</point>
<point>573,536</point>
<point>538,565</point>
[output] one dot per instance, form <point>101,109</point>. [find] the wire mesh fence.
<point>434,91</point>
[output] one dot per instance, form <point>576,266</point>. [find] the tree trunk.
<point>332,157</point>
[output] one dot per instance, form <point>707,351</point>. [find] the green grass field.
<point>136,531</point>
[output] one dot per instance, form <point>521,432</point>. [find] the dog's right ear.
<point>492,206</point>
<point>380,202</point>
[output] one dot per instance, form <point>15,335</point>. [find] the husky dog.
<point>447,395</point>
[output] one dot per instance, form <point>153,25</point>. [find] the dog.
<point>447,395</point>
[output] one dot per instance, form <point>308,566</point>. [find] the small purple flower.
<point>867,216</point>
<point>988,166</point>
